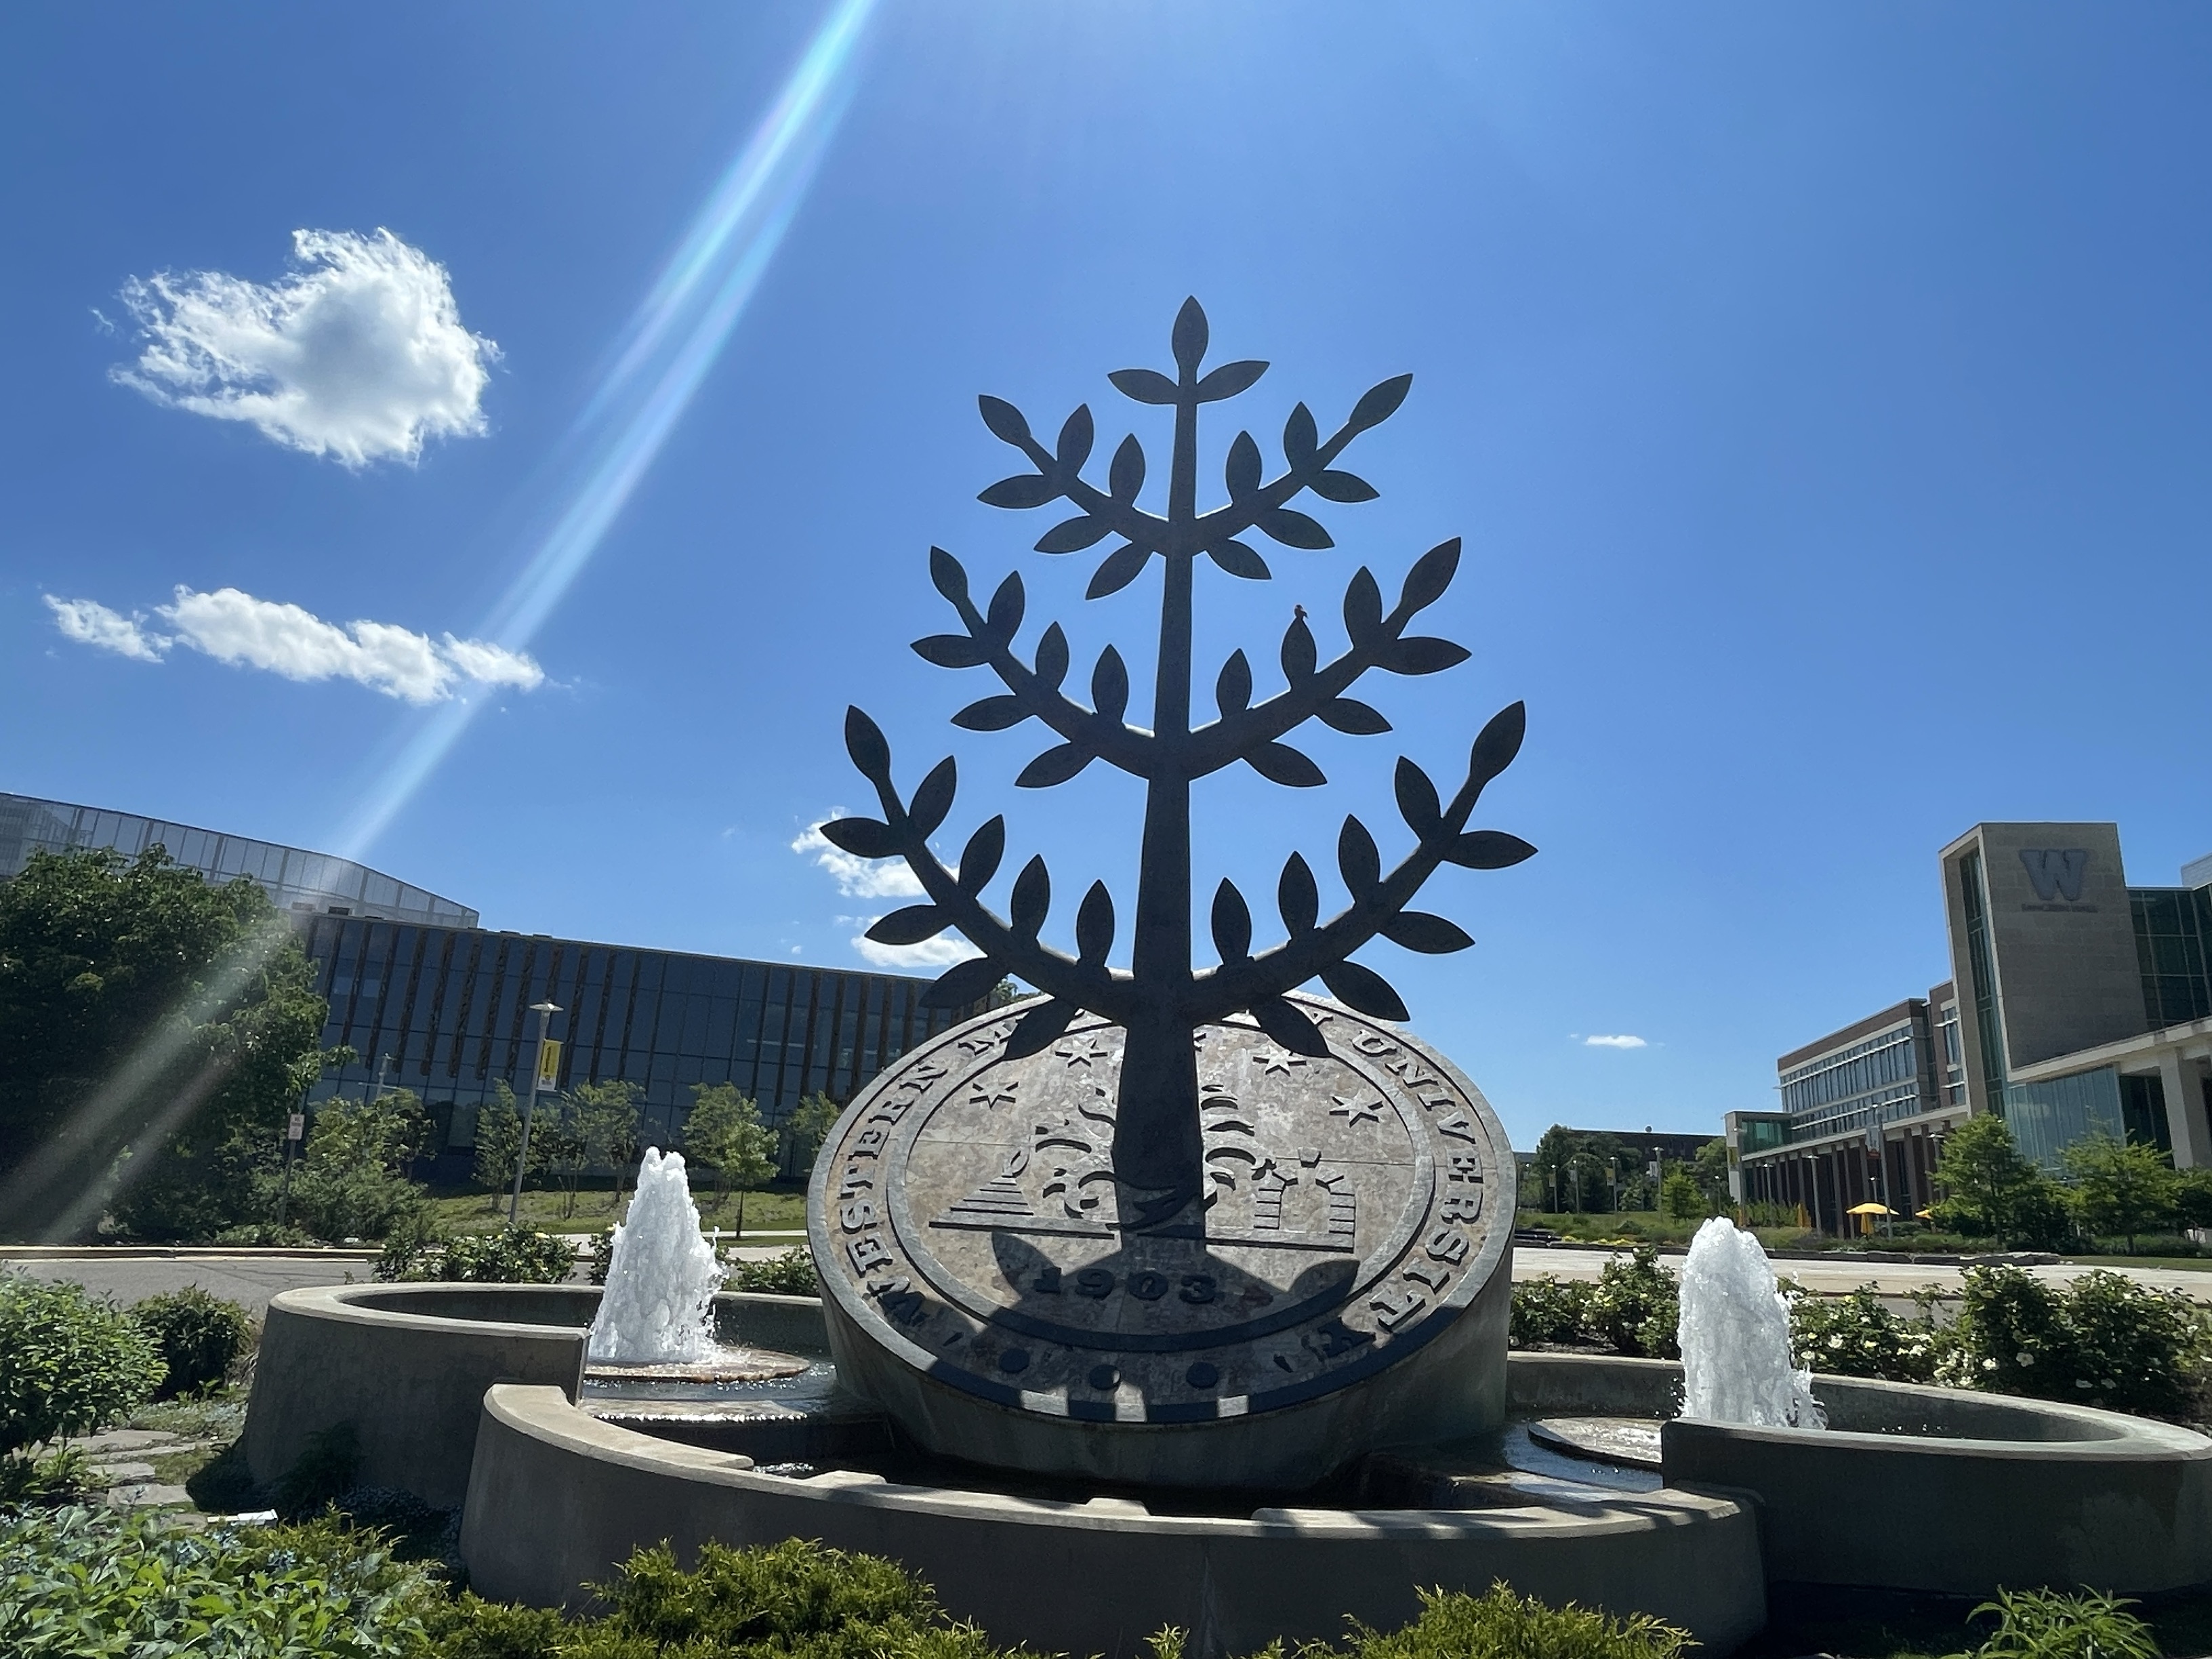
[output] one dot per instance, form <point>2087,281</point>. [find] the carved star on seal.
<point>1276,1062</point>
<point>1352,1109</point>
<point>1083,1051</point>
<point>991,1096</point>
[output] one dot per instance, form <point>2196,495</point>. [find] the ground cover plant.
<point>89,1583</point>
<point>790,1273</point>
<point>512,1255</point>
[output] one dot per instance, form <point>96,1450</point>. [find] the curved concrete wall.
<point>408,1365</point>
<point>1926,1489</point>
<point>1973,1495</point>
<point>556,1500</point>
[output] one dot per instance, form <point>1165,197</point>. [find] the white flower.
<point>2024,1358</point>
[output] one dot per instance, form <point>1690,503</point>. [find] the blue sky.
<point>1821,391</point>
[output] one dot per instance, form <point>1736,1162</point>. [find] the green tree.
<point>156,1029</point>
<point>499,1142</point>
<point>2192,1197</point>
<point>2121,1186</point>
<point>1711,1170</point>
<point>606,1117</point>
<point>726,1131</point>
<point>1990,1189</point>
<point>558,1148</point>
<point>806,1129</point>
<point>1679,1194</point>
<point>352,1180</point>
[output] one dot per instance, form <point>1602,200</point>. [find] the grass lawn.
<point>475,1210</point>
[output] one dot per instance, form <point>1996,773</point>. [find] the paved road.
<point>1901,1278</point>
<point>252,1280</point>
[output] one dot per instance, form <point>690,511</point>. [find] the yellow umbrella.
<point>1869,1209</point>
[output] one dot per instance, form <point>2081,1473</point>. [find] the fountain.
<point>1176,1295</point>
<point>1735,1336</point>
<point>658,1309</point>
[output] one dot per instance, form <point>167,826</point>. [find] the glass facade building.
<point>300,882</point>
<point>446,1012</point>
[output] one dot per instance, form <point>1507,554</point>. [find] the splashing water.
<point>1734,1335</point>
<point>659,1306</point>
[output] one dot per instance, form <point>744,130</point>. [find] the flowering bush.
<point>1547,1310</point>
<point>1635,1306</point>
<point>1855,1335</point>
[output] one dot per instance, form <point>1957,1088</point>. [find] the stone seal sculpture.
<point>1165,1225</point>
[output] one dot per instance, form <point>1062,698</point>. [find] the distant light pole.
<point>542,1009</point>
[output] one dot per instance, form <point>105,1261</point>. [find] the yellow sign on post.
<point>548,1064</point>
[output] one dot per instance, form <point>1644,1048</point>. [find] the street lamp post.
<point>542,1009</point>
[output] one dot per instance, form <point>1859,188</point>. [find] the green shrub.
<point>512,1256</point>
<point>351,1180</point>
<point>1855,1335</point>
<point>2047,1624</point>
<point>469,1627</point>
<point>55,1477</point>
<point>1453,1625</point>
<point>790,1273</point>
<point>1547,1311</point>
<point>1636,1305</point>
<point>603,1254</point>
<point>200,1335</point>
<point>89,1582</point>
<point>69,1362</point>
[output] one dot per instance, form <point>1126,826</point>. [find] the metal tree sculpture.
<point>1161,1001</point>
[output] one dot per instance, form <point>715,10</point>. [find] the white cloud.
<point>940,952</point>
<point>1623,1040</point>
<point>90,622</point>
<point>857,878</point>
<point>236,627</point>
<point>358,354</point>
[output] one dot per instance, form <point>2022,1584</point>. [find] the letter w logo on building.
<point>2055,873</point>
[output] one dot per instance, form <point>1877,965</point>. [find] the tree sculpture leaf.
<point>950,651</point>
<point>1279,762</point>
<point>1233,691</point>
<point>1352,717</point>
<point>864,742</point>
<point>1431,573</point>
<point>1094,926</point>
<point>962,983</point>
<point>1334,486</point>
<point>1056,765</point>
<point>1299,656</point>
<point>1023,489</point>
<point>1232,923</point>
<point>1110,684</point>
<point>1003,618</point>
<point>1007,423</point>
<point>864,838</point>
<point>1363,609</point>
<point>1498,743</point>
<point>1032,897</point>
<point>910,926</point>
<point>1380,402</point>
<point>1300,439</point>
<point>1297,898</point>
<point>1229,380</point>
<point>1147,385</point>
<point>978,859</point>
<point>1040,1025</point>
<point>1241,472</point>
<point>1292,529</point>
<point>1430,935</point>
<point>1485,849</point>
<point>1073,535</point>
<point>994,715</point>
<point>1239,560</point>
<point>1127,476</point>
<point>946,574</point>
<point>1075,438</point>
<point>1417,799</point>
<point>1287,1025</point>
<point>932,798</point>
<point>1190,337</point>
<point>1052,657</point>
<point>1426,655</point>
<point>1357,859</point>
<point>1123,566</point>
<point>1365,989</point>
